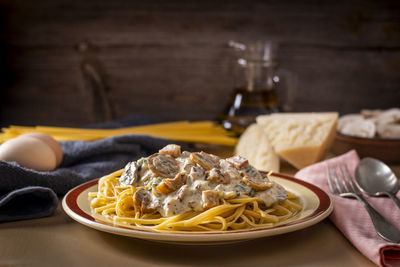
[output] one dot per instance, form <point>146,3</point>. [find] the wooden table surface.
<point>60,241</point>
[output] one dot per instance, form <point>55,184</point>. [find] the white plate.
<point>317,205</point>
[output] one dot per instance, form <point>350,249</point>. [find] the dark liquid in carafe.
<point>246,105</point>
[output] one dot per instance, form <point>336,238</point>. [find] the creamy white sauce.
<point>272,195</point>
<point>189,196</point>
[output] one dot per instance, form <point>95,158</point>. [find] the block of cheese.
<point>256,147</point>
<point>300,138</point>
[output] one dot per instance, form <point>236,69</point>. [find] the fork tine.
<point>345,181</point>
<point>353,187</point>
<point>339,187</point>
<point>331,187</point>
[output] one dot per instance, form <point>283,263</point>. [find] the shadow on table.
<point>281,250</point>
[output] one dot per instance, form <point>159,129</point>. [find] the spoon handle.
<point>384,228</point>
<point>395,199</point>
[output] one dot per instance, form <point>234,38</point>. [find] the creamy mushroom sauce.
<point>198,191</point>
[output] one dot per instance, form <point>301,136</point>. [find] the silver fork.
<point>344,186</point>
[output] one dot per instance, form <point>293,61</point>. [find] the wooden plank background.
<point>170,59</point>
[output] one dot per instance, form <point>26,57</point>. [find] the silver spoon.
<point>375,178</point>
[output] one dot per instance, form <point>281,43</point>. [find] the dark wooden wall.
<point>170,59</point>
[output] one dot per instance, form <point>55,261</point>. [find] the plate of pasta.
<point>196,198</point>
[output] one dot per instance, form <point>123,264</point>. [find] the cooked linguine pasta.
<point>182,191</point>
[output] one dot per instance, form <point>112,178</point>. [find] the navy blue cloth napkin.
<point>26,193</point>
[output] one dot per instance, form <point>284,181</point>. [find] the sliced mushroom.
<point>163,165</point>
<point>361,128</point>
<point>170,185</point>
<point>389,131</point>
<point>210,199</point>
<point>388,116</point>
<point>130,174</point>
<point>348,119</point>
<point>238,161</point>
<point>172,150</point>
<point>143,201</point>
<point>217,176</point>
<point>205,160</point>
<point>255,179</point>
<point>369,113</point>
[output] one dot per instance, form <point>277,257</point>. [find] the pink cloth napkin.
<point>350,216</point>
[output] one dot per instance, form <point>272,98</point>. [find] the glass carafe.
<point>258,85</point>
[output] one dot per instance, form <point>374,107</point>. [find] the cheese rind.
<point>256,147</point>
<point>300,138</point>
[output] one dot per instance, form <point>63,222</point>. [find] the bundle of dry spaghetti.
<point>207,132</point>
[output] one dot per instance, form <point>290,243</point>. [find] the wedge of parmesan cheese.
<point>256,147</point>
<point>300,138</point>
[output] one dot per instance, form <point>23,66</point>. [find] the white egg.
<point>29,152</point>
